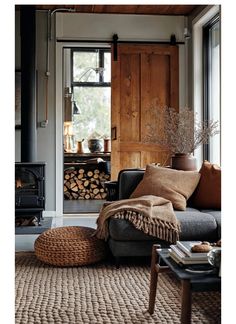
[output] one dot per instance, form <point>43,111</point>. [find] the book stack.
<point>181,253</point>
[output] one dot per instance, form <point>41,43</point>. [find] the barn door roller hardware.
<point>116,40</point>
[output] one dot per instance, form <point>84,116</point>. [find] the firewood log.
<point>86,183</point>
<point>103,195</point>
<point>75,195</point>
<point>73,184</point>
<point>67,184</point>
<point>67,194</point>
<point>96,191</point>
<point>81,184</point>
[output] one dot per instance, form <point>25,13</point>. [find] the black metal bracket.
<point>172,39</point>
<point>115,39</point>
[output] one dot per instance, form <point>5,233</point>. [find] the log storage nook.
<point>85,175</point>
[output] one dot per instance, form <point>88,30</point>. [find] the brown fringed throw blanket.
<point>151,214</point>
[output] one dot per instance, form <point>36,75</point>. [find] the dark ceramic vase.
<point>186,162</point>
<point>95,145</point>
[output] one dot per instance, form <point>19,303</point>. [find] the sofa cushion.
<point>174,185</point>
<point>208,192</point>
<point>217,215</point>
<point>195,225</point>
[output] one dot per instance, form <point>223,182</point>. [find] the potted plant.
<point>180,133</point>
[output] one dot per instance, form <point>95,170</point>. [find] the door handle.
<point>113,133</point>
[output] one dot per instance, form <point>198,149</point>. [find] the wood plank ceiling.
<point>127,9</point>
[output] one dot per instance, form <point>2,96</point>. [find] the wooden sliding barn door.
<point>142,76</point>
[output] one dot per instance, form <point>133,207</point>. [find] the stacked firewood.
<point>82,184</point>
<point>24,221</point>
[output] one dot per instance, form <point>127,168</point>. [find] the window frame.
<point>206,76</point>
<point>101,52</point>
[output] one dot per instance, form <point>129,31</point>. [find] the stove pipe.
<point>28,84</point>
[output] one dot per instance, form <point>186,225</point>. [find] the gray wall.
<point>46,149</point>
<point>75,26</point>
<point>193,15</point>
<point>45,136</point>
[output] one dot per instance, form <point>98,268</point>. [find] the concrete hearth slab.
<point>46,224</point>
<point>83,206</point>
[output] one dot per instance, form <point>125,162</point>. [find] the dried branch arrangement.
<point>180,132</point>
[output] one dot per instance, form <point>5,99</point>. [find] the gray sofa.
<point>126,240</point>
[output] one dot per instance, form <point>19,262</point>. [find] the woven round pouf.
<point>69,246</point>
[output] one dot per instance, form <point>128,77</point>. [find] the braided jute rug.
<point>101,293</point>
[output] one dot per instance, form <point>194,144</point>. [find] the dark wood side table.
<point>189,281</point>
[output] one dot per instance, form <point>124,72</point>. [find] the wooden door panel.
<point>155,79</point>
<point>130,96</point>
<point>161,157</point>
<point>155,86</point>
<point>174,78</point>
<point>143,76</point>
<point>130,158</point>
<point>139,158</point>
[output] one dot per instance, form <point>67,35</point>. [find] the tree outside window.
<point>91,88</point>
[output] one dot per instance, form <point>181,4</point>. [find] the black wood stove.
<point>29,174</point>
<point>29,189</point>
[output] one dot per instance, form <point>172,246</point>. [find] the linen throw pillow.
<point>174,185</point>
<point>208,192</point>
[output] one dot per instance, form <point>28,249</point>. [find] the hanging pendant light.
<point>76,109</point>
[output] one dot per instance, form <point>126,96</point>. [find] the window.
<point>91,91</point>
<point>211,110</point>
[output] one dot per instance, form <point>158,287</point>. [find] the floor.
<point>25,242</point>
<point>76,213</point>
<point>82,206</point>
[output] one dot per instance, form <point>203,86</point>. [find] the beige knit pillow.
<point>175,185</point>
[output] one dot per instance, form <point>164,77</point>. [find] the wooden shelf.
<point>85,157</point>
